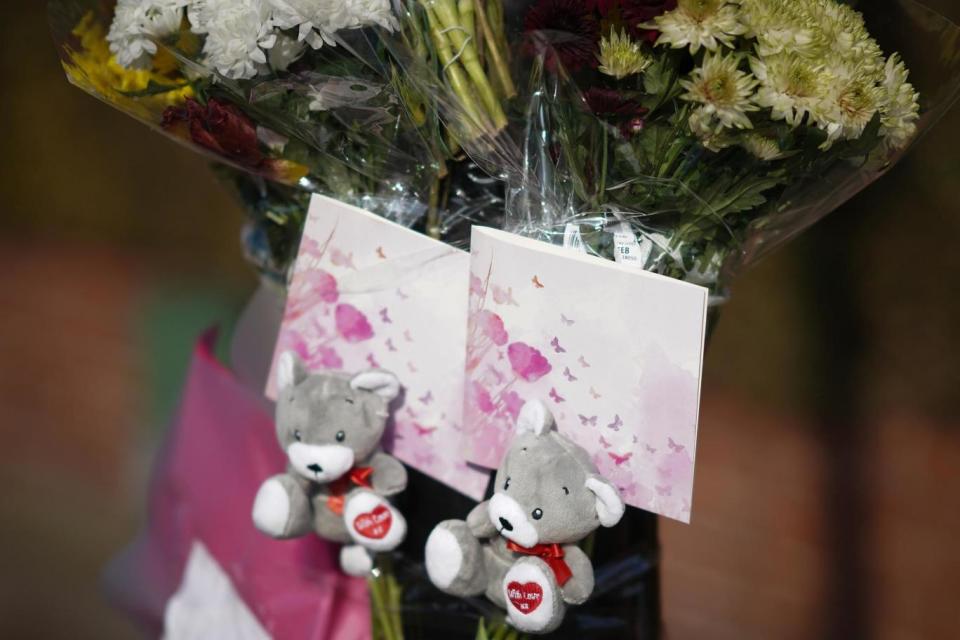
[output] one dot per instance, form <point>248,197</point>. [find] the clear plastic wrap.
<point>339,120</point>
<point>612,165</point>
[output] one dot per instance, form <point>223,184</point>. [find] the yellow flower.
<point>94,69</point>
<point>621,57</point>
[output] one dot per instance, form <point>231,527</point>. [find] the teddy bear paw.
<point>355,561</point>
<point>533,600</point>
<point>373,522</point>
<point>271,508</point>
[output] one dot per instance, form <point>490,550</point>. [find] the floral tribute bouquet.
<point>686,137</point>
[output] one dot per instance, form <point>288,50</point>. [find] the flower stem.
<point>499,64</point>
<point>447,13</point>
<point>458,82</point>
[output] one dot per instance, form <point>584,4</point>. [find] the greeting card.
<point>367,293</point>
<point>616,352</point>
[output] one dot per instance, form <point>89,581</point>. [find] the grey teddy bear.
<point>337,479</point>
<point>519,548</point>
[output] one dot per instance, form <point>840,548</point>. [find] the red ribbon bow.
<point>359,476</point>
<point>552,554</point>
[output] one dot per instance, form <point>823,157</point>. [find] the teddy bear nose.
<point>315,468</point>
<point>506,524</point>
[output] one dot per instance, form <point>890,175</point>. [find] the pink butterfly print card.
<point>367,293</point>
<point>614,351</point>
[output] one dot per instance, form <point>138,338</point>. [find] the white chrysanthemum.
<point>790,86</point>
<point>761,147</point>
<point>699,23</point>
<point>779,26</point>
<point>135,25</point>
<point>317,20</point>
<point>285,51</point>
<point>711,133</point>
<point>621,57</point>
<point>237,34</point>
<point>900,106</point>
<point>723,89</point>
<point>852,100</point>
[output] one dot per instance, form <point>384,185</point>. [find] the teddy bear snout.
<point>511,520</point>
<point>320,463</point>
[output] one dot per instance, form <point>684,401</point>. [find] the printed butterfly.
<point>537,283</point>
<point>565,320</point>
<point>407,336</point>
<point>402,295</point>
<point>381,254</point>
<point>385,316</point>
<point>584,420</point>
<point>570,376</point>
<point>423,431</point>
<point>616,424</point>
<point>390,344</point>
<point>556,397</point>
<point>649,448</point>
<point>583,362</point>
<point>501,296</point>
<point>555,343</point>
<point>412,368</point>
<point>372,361</point>
<point>594,393</point>
<point>620,460</point>
<point>603,441</point>
<point>677,448</point>
<point>495,374</point>
<point>341,259</point>
<point>427,398</point>
<point>664,491</point>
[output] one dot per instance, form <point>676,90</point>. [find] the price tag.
<point>626,249</point>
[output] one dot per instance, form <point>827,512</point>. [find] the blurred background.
<point>829,457</point>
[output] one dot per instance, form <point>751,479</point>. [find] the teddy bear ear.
<point>610,505</point>
<point>290,370</point>
<point>382,383</point>
<point>534,418</point>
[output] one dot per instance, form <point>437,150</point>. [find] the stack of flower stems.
<point>456,27</point>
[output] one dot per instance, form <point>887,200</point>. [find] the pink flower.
<point>527,362</point>
<point>328,358</point>
<point>352,324</point>
<point>311,287</point>
<point>513,403</point>
<point>481,398</point>
<point>492,326</point>
<point>476,285</point>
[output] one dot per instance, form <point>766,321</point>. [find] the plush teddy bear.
<point>520,546</point>
<point>337,479</point>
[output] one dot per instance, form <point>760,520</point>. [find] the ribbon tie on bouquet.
<point>359,476</point>
<point>552,554</point>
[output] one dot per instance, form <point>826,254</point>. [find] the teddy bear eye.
<point>537,514</point>
<point>506,484</point>
<point>296,435</point>
<point>566,491</point>
<point>349,400</point>
<point>341,436</point>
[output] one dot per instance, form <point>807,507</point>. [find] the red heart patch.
<point>525,597</point>
<point>374,524</point>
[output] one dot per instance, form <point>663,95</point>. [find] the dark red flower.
<point>566,31</point>
<point>225,130</point>
<point>630,14</point>
<point>636,12</point>
<point>610,102</point>
<point>218,127</point>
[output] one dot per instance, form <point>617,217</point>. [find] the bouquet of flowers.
<point>687,137</point>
